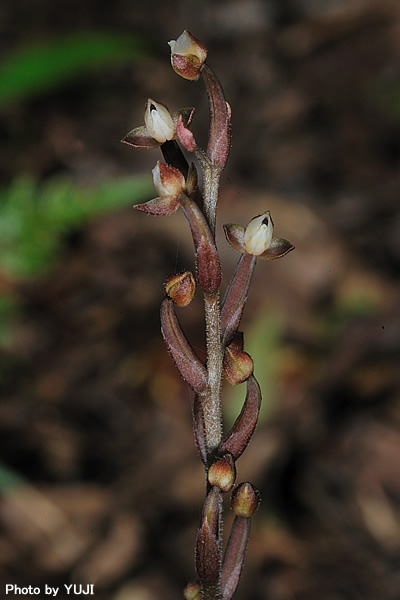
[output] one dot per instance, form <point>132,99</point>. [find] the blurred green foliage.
<point>38,67</point>
<point>34,218</point>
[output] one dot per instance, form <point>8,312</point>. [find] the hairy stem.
<point>212,409</point>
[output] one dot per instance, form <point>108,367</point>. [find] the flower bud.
<point>222,473</point>
<point>158,121</point>
<point>192,591</point>
<point>258,234</point>
<point>187,56</point>
<point>181,288</point>
<point>168,181</point>
<point>238,365</point>
<point>245,500</point>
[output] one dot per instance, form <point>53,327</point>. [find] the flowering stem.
<point>212,406</point>
<point>212,409</point>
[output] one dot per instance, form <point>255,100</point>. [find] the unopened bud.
<point>245,500</point>
<point>168,181</point>
<point>238,365</point>
<point>192,591</point>
<point>222,473</point>
<point>187,56</point>
<point>181,288</point>
<point>258,234</point>
<point>158,121</point>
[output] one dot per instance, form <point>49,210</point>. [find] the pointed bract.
<point>234,556</point>
<point>207,543</point>
<point>207,257</point>
<point>236,296</point>
<point>219,139</point>
<point>187,362</point>
<point>239,436</point>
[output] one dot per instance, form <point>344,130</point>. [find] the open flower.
<point>258,234</point>
<point>256,239</point>
<point>158,121</point>
<point>160,126</point>
<point>169,183</point>
<point>187,56</point>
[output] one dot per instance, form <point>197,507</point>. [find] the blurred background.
<point>99,477</point>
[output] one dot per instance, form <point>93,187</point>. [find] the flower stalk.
<point>176,182</point>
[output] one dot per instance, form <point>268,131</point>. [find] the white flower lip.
<point>158,121</point>
<point>258,234</point>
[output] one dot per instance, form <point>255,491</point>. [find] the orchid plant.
<point>176,182</point>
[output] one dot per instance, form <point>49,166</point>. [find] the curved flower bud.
<point>181,288</point>
<point>187,56</point>
<point>168,181</point>
<point>258,234</point>
<point>238,365</point>
<point>158,121</point>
